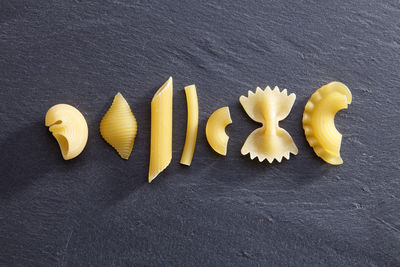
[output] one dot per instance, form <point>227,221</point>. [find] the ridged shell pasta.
<point>69,127</point>
<point>119,127</point>
<point>319,120</point>
<point>269,141</point>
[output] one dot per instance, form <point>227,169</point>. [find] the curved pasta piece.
<point>192,124</point>
<point>161,129</point>
<point>269,141</point>
<point>119,127</point>
<point>215,130</point>
<point>69,127</point>
<point>319,120</point>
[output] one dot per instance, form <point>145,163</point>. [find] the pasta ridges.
<point>318,120</point>
<point>119,127</point>
<point>161,129</point>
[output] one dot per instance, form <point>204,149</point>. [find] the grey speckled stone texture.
<point>98,210</point>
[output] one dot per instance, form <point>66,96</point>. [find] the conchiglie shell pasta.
<point>119,127</point>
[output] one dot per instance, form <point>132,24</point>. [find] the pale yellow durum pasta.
<point>319,120</point>
<point>161,129</point>
<point>215,130</point>
<point>69,127</point>
<point>269,141</point>
<point>119,127</point>
<point>192,124</point>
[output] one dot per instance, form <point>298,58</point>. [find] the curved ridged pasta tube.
<point>69,127</point>
<point>192,124</point>
<point>161,129</point>
<point>319,120</point>
<point>119,127</point>
<point>215,130</point>
<point>270,141</point>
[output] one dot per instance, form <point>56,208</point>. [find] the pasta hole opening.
<point>63,143</point>
<point>162,88</point>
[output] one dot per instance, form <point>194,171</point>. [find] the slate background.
<point>98,210</point>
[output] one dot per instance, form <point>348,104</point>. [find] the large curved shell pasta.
<point>319,120</point>
<point>69,127</point>
<point>215,130</point>
<point>269,141</point>
<point>161,129</point>
<point>119,127</point>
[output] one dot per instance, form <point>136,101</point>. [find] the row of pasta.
<point>119,127</point>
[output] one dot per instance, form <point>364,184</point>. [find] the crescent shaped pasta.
<point>119,127</point>
<point>192,125</point>
<point>69,127</point>
<point>161,129</point>
<point>269,141</point>
<point>319,120</point>
<point>215,130</point>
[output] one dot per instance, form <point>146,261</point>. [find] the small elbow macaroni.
<point>215,130</point>
<point>69,127</point>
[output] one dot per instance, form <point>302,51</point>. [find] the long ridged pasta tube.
<point>161,129</point>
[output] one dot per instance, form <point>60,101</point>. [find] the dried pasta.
<point>215,130</point>
<point>119,127</point>
<point>69,127</point>
<point>192,124</point>
<point>319,120</point>
<point>269,141</point>
<point>161,129</point>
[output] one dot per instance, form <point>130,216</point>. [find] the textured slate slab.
<point>98,209</point>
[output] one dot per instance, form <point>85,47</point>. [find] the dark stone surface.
<point>98,209</point>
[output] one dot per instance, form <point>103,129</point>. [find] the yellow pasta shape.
<point>215,130</point>
<point>269,141</point>
<point>69,127</point>
<point>319,120</point>
<point>192,124</point>
<point>119,127</point>
<point>161,129</point>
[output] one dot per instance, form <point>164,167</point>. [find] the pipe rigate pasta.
<point>319,120</point>
<point>69,127</point>
<point>269,141</point>
<point>119,127</point>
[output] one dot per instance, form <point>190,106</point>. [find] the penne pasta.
<point>161,129</point>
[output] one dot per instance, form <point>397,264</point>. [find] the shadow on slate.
<point>22,165</point>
